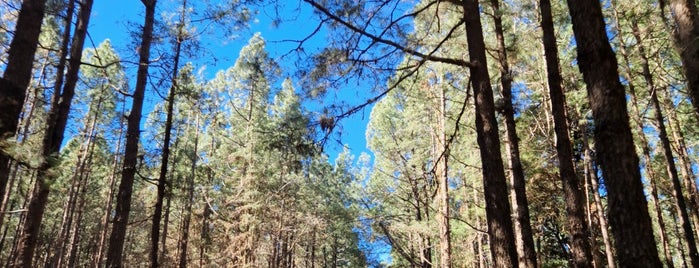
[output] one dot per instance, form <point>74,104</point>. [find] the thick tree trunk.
<point>58,119</point>
<point>522,225</point>
<point>18,73</point>
<point>645,149</point>
<point>123,206</point>
<point>687,44</point>
<point>628,212</point>
<point>572,186</point>
<point>502,239</point>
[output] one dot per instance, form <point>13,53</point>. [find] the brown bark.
<point>104,222</point>
<point>591,176</point>
<point>57,121</point>
<point>628,213</point>
<point>441,155</point>
<point>522,225</point>
<point>18,72</point>
<point>123,206</point>
<point>572,186</point>
<point>502,239</point>
<point>667,152</point>
<point>162,178</point>
<point>687,44</point>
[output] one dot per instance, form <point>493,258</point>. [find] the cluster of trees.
<point>504,134</point>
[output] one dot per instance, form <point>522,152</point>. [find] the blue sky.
<point>112,20</point>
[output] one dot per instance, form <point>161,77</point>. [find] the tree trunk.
<point>440,154</point>
<point>57,121</point>
<point>190,199</point>
<point>522,225</point>
<point>18,73</point>
<point>123,206</point>
<point>667,152</point>
<point>502,239</point>
<point>572,186</point>
<point>104,223</point>
<point>591,176</point>
<point>687,44</point>
<point>162,179</point>
<point>628,212</point>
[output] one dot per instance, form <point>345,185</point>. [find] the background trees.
<point>240,167</point>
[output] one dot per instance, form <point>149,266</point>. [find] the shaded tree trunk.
<point>123,206</point>
<point>628,213</point>
<point>522,225</point>
<point>687,44</point>
<point>667,151</point>
<point>57,121</point>
<point>572,186</point>
<point>18,73</point>
<point>591,176</point>
<point>502,239</point>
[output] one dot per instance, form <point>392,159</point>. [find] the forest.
<point>531,133</point>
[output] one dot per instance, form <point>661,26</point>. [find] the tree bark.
<point>162,178</point>
<point>687,44</point>
<point>522,225</point>
<point>57,121</point>
<point>123,206</point>
<point>591,176</point>
<point>628,212</point>
<point>18,73</point>
<point>680,202</point>
<point>572,186</point>
<point>502,239</point>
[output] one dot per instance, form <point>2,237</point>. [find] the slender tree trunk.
<point>502,239</point>
<point>162,179</point>
<point>683,157</point>
<point>628,212</point>
<point>575,208</point>
<point>591,176</point>
<point>58,119</point>
<point>123,206</point>
<point>190,198</point>
<point>440,154</point>
<point>104,223</point>
<point>522,225</point>
<point>687,44</point>
<point>18,73</point>
<point>667,151</point>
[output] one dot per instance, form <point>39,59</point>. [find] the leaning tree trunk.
<point>522,225</point>
<point>572,186</point>
<point>680,203</point>
<point>18,73</point>
<point>123,206</point>
<point>58,119</point>
<point>645,149</point>
<point>628,212</point>
<point>502,239</point>
<point>687,44</point>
